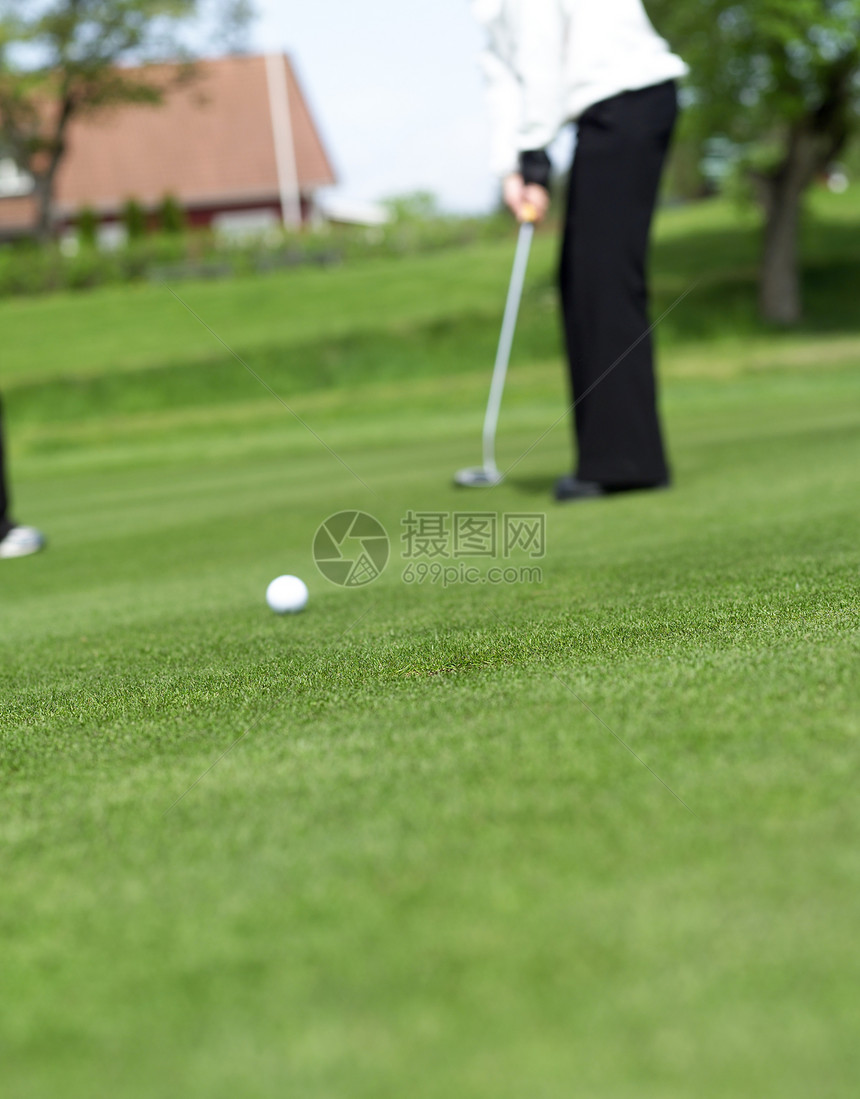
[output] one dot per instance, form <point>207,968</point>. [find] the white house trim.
<point>282,130</point>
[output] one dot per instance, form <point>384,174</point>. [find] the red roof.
<point>212,141</point>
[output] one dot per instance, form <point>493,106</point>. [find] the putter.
<point>488,474</point>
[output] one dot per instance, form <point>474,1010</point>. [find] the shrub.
<point>171,216</point>
<point>88,227</point>
<point>29,268</point>
<point>134,219</point>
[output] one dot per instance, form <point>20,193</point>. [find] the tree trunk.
<point>780,298</point>
<point>812,144</point>
<point>44,195</point>
<point>46,175</point>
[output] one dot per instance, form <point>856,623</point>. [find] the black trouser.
<point>4,496</point>
<point>612,195</point>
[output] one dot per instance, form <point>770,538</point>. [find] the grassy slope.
<point>429,868</point>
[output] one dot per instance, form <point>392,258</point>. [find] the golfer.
<point>599,64</point>
<point>15,541</point>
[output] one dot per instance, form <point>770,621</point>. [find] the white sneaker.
<point>21,542</point>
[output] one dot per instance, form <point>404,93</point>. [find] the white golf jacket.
<point>547,61</point>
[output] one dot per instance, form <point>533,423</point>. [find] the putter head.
<point>480,477</point>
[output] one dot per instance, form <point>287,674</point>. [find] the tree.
<point>60,59</point>
<point>231,23</point>
<point>781,80</point>
<point>414,206</point>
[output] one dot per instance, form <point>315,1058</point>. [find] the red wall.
<point>201,217</point>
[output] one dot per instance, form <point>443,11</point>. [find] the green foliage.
<point>171,216</point>
<point>416,206</point>
<point>134,218</point>
<point>233,19</point>
<point>77,47</point>
<point>88,227</point>
<point>761,65</point>
<point>36,270</point>
<point>780,81</point>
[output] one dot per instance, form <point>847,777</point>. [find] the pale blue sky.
<point>397,92</point>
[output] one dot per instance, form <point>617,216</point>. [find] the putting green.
<point>594,835</point>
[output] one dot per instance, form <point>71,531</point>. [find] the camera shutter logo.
<point>351,549</point>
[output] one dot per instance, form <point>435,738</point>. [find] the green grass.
<point>430,865</point>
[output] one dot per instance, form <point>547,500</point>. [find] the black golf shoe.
<point>570,487</point>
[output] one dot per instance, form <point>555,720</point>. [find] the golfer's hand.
<point>526,201</point>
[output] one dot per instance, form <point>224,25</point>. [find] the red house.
<point>236,145</point>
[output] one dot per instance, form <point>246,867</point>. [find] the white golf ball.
<point>287,595</point>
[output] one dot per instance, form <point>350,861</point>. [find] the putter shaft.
<point>506,340</point>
